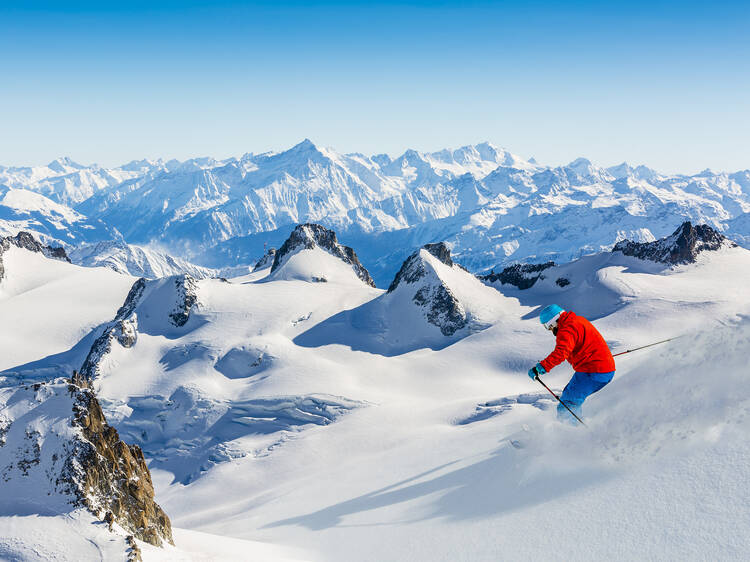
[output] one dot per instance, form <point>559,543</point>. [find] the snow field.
<point>407,474</point>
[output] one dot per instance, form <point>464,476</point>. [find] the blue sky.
<point>660,83</point>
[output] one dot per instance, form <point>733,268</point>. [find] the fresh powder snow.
<point>302,414</point>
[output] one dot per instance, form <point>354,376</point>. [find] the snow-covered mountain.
<point>313,253</point>
<point>25,210</point>
<point>347,422</point>
<point>431,303</point>
<point>67,183</point>
<point>491,207</point>
<point>135,260</point>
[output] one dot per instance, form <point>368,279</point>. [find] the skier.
<point>585,349</point>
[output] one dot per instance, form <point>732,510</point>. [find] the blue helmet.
<point>549,315</point>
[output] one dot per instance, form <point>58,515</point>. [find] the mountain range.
<point>491,207</point>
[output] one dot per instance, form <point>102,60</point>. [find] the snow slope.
<point>335,451</point>
<point>660,474</point>
<point>48,307</point>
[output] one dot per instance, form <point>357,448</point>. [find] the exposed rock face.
<point>441,252</point>
<point>681,247</point>
<point>123,328</point>
<point>522,275</point>
<point>61,453</point>
<point>442,308</point>
<point>308,236</point>
<point>266,260</point>
<point>180,289</point>
<point>413,269</point>
<point>26,241</point>
<point>111,478</point>
<point>187,297</point>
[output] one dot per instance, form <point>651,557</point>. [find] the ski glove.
<point>536,370</point>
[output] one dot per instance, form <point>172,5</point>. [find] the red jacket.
<point>581,344</point>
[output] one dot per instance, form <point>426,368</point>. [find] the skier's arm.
<point>566,341</point>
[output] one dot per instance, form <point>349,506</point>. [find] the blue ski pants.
<point>580,387</point>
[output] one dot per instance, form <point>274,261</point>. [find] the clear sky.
<point>665,84</point>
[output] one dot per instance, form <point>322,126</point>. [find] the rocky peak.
<point>179,293</point>
<point>521,275</point>
<point>26,241</point>
<point>266,261</point>
<point>413,269</point>
<point>308,236</point>
<point>58,450</point>
<point>441,307</point>
<point>681,247</point>
<point>441,252</point>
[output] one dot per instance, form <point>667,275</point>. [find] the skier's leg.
<point>580,387</point>
<point>572,396</point>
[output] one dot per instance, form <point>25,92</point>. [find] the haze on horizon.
<point>662,84</point>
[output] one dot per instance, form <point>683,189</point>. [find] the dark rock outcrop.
<point>62,455</point>
<point>442,308</point>
<point>413,269</point>
<point>122,328</point>
<point>110,477</point>
<point>187,297</point>
<point>681,247</point>
<point>521,275</point>
<point>308,236</point>
<point>441,252</point>
<point>266,260</point>
<point>26,241</point>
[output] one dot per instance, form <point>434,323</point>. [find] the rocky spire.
<point>308,236</point>
<point>441,307</point>
<point>57,449</point>
<point>681,247</point>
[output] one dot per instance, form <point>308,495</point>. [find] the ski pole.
<point>560,401</point>
<point>645,346</point>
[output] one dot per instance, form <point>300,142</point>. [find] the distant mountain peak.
<point>304,147</point>
<point>61,164</point>
<point>579,163</point>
